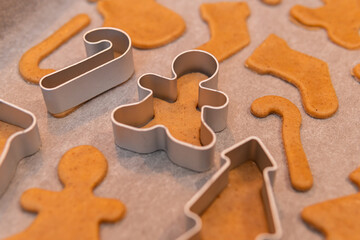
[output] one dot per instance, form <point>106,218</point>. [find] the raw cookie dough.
<point>181,117</point>
<point>310,75</point>
<point>29,62</point>
<point>229,33</point>
<point>148,23</point>
<point>238,213</point>
<point>75,212</point>
<point>341,19</point>
<point>67,112</point>
<point>337,219</point>
<point>356,72</point>
<point>6,130</point>
<point>300,173</point>
<point>272,2</point>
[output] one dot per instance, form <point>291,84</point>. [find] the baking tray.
<point>154,189</point>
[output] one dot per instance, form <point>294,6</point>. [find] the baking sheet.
<point>153,189</point>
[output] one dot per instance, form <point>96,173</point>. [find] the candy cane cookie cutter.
<point>99,72</point>
<point>127,119</point>
<point>20,144</point>
<point>249,149</point>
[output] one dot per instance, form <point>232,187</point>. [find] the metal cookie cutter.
<point>127,119</point>
<point>99,72</point>
<point>250,149</point>
<point>20,144</point>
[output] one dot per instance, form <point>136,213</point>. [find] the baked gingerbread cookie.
<point>300,173</point>
<point>229,33</point>
<point>310,75</point>
<point>75,212</point>
<point>337,219</point>
<point>29,62</point>
<point>341,19</point>
<point>181,117</point>
<point>148,23</point>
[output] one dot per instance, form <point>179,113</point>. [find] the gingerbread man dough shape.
<point>300,173</point>
<point>341,19</point>
<point>73,213</point>
<point>339,218</point>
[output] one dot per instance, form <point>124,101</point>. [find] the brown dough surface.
<point>310,75</point>
<point>229,33</point>
<point>238,212</point>
<point>181,117</point>
<point>67,112</point>
<point>341,19</point>
<point>75,212</point>
<point>272,2</point>
<point>339,218</point>
<point>148,23</point>
<point>6,130</point>
<point>356,72</point>
<point>300,173</point>
<point>29,62</point>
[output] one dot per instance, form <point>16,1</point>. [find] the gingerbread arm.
<point>305,15</point>
<point>111,210</point>
<point>33,199</point>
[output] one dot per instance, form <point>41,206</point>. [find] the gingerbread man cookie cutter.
<point>99,72</point>
<point>127,119</point>
<point>249,149</point>
<point>20,144</point>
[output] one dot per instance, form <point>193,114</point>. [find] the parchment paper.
<point>153,189</point>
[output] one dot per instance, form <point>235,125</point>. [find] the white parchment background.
<point>153,189</point>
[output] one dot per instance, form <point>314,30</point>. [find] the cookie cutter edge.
<point>20,144</point>
<point>98,72</point>
<point>254,147</point>
<point>158,137</point>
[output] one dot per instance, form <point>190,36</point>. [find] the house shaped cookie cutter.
<point>127,119</point>
<point>20,144</point>
<point>249,149</point>
<point>99,72</point>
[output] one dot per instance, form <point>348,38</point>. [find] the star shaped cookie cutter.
<point>249,149</point>
<point>127,119</point>
<point>20,144</point>
<point>100,71</point>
